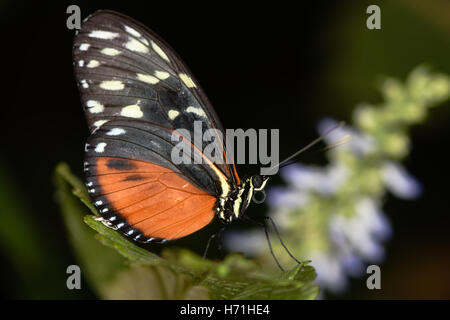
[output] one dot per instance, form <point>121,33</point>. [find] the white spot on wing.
<point>187,80</point>
<point>196,111</point>
<point>93,64</point>
<point>100,147</point>
<point>136,46</point>
<point>100,34</point>
<point>147,78</point>
<point>115,132</point>
<point>94,106</point>
<point>99,123</point>
<point>136,34</point>
<point>160,52</point>
<point>132,111</point>
<point>173,114</point>
<point>162,74</point>
<point>110,52</point>
<point>132,32</point>
<point>84,46</point>
<point>84,84</point>
<point>81,63</point>
<point>112,85</point>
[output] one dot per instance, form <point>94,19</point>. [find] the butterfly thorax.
<point>238,199</point>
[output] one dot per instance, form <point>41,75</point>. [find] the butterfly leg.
<point>245,218</point>
<point>217,235</point>
<point>274,226</point>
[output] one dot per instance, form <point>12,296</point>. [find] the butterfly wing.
<point>137,94</point>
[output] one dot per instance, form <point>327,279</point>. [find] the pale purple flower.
<point>359,142</point>
<point>361,233</point>
<point>251,243</point>
<point>400,182</point>
<point>304,178</point>
<point>352,264</point>
<point>330,272</point>
<point>370,215</point>
<point>285,197</point>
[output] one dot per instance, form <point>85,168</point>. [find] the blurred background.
<point>278,66</point>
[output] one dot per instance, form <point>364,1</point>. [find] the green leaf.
<point>22,243</point>
<point>113,239</point>
<point>176,274</point>
<point>90,253</point>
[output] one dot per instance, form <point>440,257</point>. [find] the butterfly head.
<point>258,182</point>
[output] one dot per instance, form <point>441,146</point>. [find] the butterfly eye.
<point>257,181</point>
<point>259,196</point>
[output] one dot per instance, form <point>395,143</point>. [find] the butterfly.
<point>137,93</point>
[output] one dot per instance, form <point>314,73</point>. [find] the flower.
<point>400,182</point>
<point>251,243</point>
<point>305,179</point>
<point>359,142</point>
<point>330,272</point>
<point>333,215</point>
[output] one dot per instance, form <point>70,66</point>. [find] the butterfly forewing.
<point>125,71</point>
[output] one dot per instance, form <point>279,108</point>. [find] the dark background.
<point>271,65</point>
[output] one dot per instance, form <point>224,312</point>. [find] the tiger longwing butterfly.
<point>136,92</point>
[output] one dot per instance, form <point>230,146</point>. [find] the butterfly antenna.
<point>337,143</point>
<point>334,145</point>
<point>308,146</point>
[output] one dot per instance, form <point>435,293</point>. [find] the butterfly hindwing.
<point>146,201</point>
<point>132,180</point>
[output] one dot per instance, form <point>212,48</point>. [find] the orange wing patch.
<point>152,198</point>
